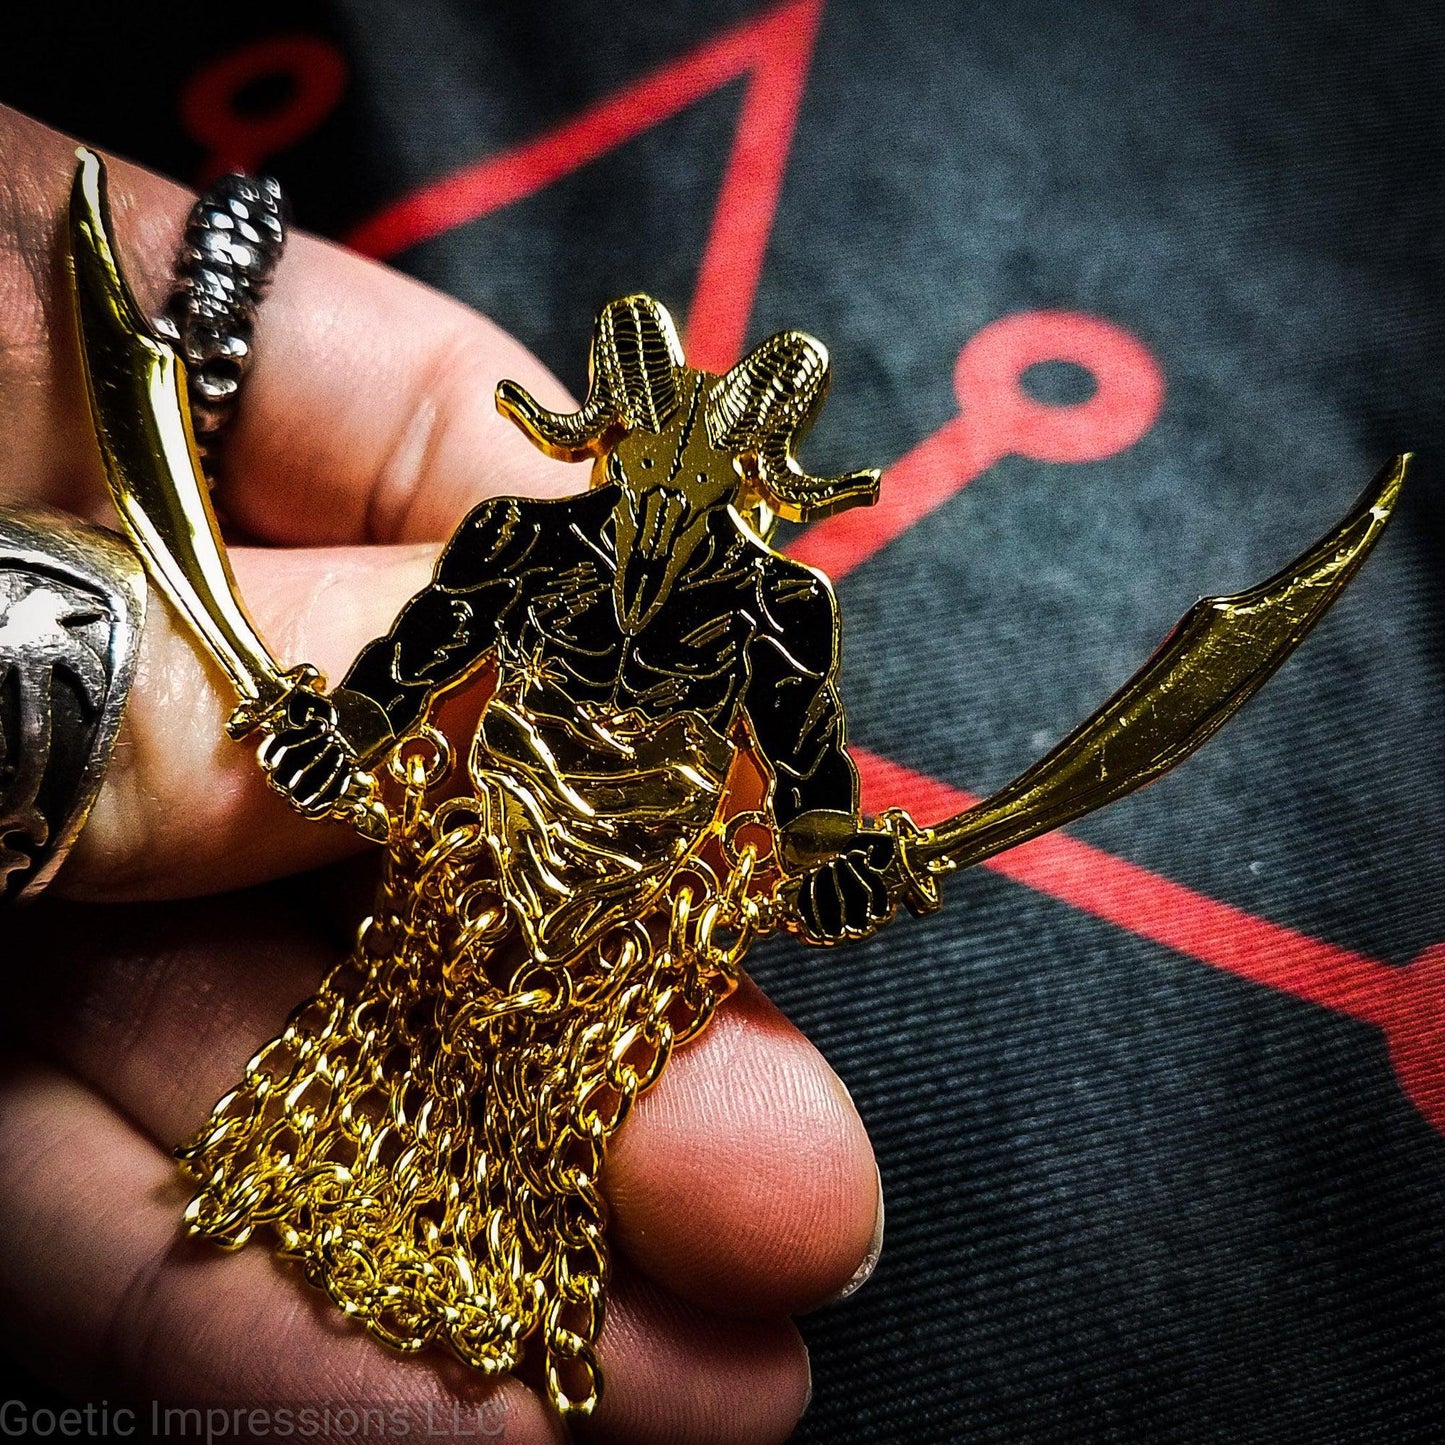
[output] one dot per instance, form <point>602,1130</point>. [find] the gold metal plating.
<point>1217,657</point>
<point>137,387</point>
<point>143,423</point>
<point>655,777</point>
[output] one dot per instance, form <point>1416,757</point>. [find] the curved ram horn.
<point>632,385</point>
<point>760,409</point>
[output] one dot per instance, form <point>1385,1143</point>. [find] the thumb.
<point>183,809</point>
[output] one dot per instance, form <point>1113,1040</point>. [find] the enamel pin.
<point>657,777</point>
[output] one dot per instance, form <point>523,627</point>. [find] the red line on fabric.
<point>998,419</point>
<point>774,48</point>
<point>1406,1003</point>
<point>237,140</point>
<point>732,262</point>
<point>1157,908</point>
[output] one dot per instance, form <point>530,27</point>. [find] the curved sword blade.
<point>142,421</point>
<point>1219,655</point>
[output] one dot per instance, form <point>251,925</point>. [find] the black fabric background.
<point>1129,1197</point>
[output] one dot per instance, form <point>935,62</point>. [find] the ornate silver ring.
<point>233,240</point>
<point>72,604</point>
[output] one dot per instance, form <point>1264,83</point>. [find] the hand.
<point>305,757</point>
<point>849,895</point>
<point>742,1188</point>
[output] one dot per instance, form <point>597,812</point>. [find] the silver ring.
<point>233,240</point>
<point>72,604</point>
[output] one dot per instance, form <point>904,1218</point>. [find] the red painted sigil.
<point>238,140</point>
<point>773,50</point>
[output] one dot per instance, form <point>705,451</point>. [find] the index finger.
<point>368,416</point>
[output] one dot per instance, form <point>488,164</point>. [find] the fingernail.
<point>864,1272</point>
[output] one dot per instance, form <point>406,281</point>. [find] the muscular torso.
<point>741,630</point>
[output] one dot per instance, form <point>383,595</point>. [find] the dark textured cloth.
<point>1167,1165</point>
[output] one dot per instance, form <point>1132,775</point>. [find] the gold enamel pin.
<point>658,778</point>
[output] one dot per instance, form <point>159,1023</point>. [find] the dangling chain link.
<point>427,1135</point>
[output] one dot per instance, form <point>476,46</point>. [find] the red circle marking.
<point>238,141</point>
<point>1130,386</point>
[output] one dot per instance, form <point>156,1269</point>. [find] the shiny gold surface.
<point>142,421</point>
<point>138,398</point>
<point>655,776</point>
<point>1217,657</point>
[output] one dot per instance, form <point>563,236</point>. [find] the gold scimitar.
<point>137,387</point>
<point>1219,655</point>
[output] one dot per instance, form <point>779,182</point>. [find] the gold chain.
<point>427,1134</point>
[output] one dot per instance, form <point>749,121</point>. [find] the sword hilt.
<point>258,713</point>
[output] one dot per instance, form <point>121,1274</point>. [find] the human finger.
<point>183,809</point>
<point>367,417</point>
<point>749,1180</point>
<point>743,1182</point>
<point>678,1375</point>
<point>113,1302</point>
<point>116,1303</point>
